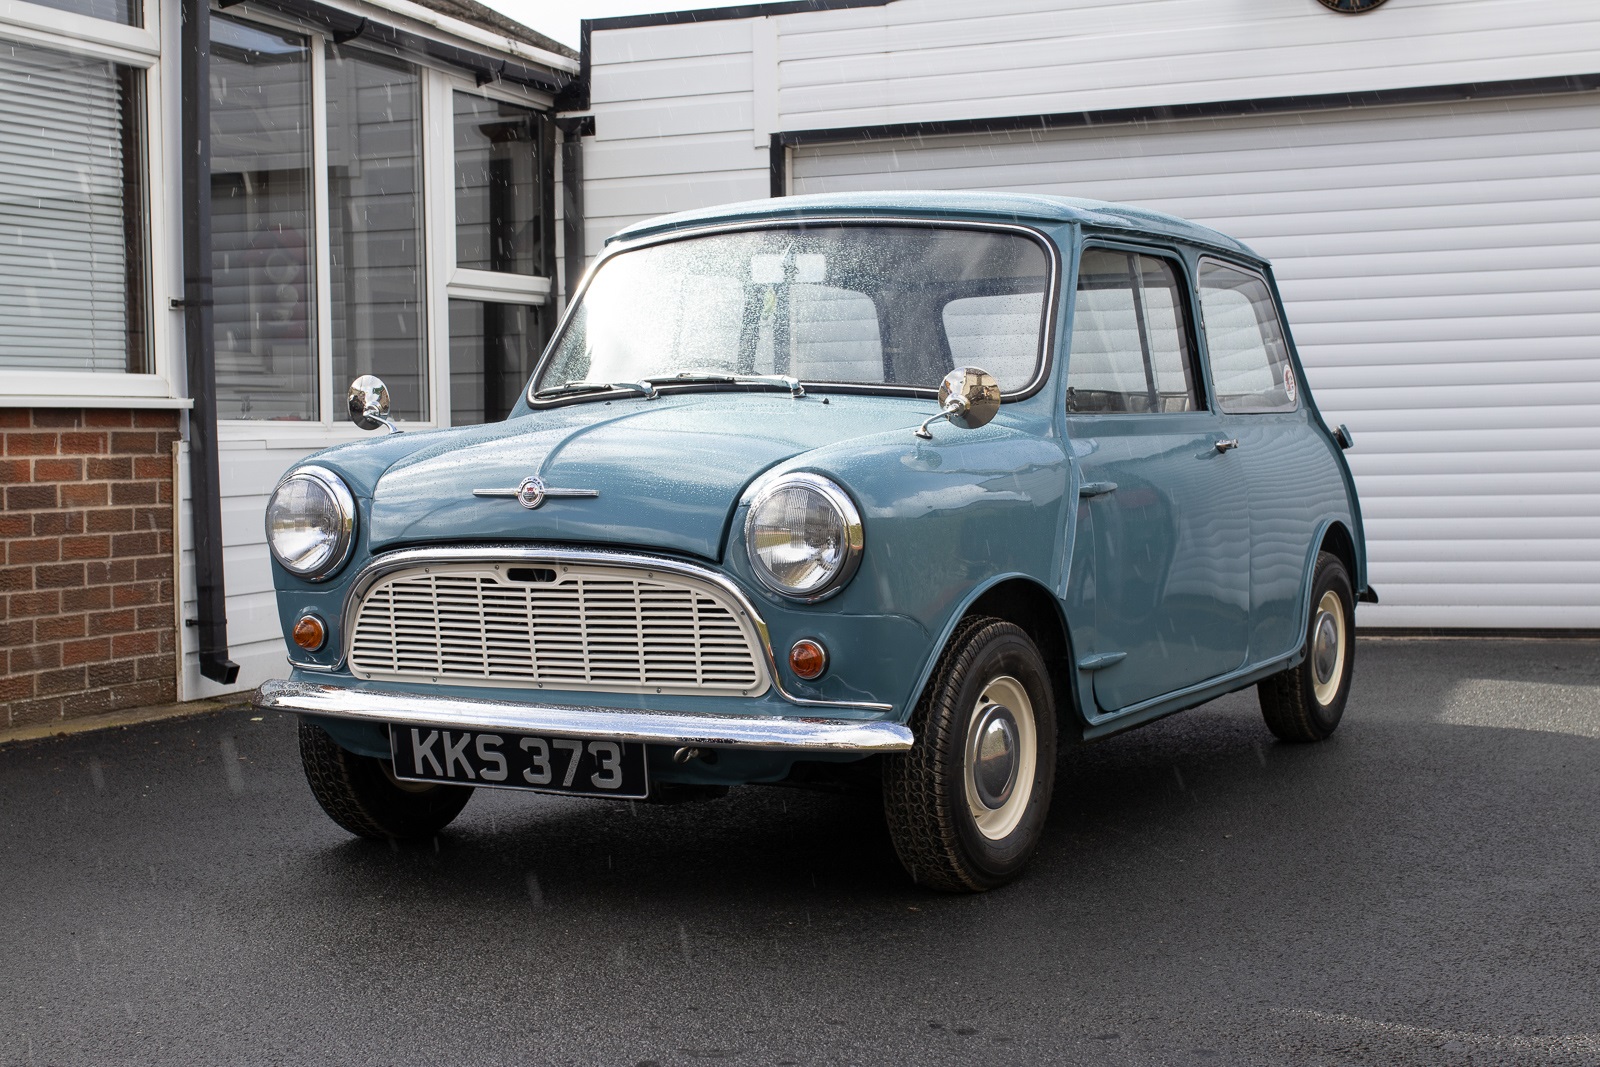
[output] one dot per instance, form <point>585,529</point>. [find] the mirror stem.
<point>954,406</point>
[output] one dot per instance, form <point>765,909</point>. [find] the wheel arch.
<point>1026,603</point>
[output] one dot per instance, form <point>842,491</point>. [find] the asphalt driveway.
<point>1423,888</point>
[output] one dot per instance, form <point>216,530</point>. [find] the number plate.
<point>574,766</point>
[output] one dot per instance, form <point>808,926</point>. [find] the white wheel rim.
<point>1328,640</point>
<point>1008,695</point>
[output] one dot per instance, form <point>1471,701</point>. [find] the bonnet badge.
<point>532,492</point>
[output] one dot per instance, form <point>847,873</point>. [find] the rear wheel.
<point>966,806</point>
<point>361,793</point>
<point>1305,703</point>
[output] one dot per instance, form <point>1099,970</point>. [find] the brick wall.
<point>86,562</point>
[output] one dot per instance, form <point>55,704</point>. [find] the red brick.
<point>92,546</point>
<point>31,497</point>
<point>110,520</point>
<point>56,523</point>
<point>113,672</point>
<point>141,694</point>
<point>65,680</point>
<point>16,687</point>
<point>15,525</point>
<point>57,418</point>
<point>41,550</point>
<point>133,492</point>
<point>117,572</point>
<point>135,593</point>
<point>94,702</point>
<point>114,622</point>
<point>92,598</point>
<point>164,542</point>
<point>14,418</point>
<point>124,546</point>
<point>152,518</point>
<point>109,468</point>
<point>88,650</point>
<point>35,658</point>
<point>108,417</point>
<point>24,605</point>
<point>152,568</point>
<point>140,643</point>
<point>16,579</point>
<point>17,633</point>
<point>58,470</point>
<point>33,712</point>
<point>32,444</point>
<point>164,492</point>
<point>15,471</point>
<point>155,420</point>
<point>160,666</point>
<point>60,627</point>
<point>58,575</point>
<point>131,441</point>
<point>86,495</point>
<point>83,444</point>
<point>152,467</point>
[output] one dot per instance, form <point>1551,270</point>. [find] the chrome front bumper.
<point>661,728</point>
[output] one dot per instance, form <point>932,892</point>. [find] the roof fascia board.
<point>720,14</point>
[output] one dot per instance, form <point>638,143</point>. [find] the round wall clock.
<point>1351,7</point>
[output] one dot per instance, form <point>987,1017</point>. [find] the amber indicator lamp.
<point>309,633</point>
<point>808,659</point>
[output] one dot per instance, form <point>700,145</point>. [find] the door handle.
<point>1223,446</point>
<point>1088,489</point>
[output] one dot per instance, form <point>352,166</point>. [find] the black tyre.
<point>967,804</point>
<point>1305,703</point>
<point>361,793</point>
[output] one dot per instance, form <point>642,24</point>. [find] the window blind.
<point>64,198</point>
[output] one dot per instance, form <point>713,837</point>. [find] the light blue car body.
<point>1187,580</point>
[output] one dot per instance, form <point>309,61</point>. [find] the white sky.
<point>559,18</point>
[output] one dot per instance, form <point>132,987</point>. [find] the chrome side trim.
<point>770,733</point>
<point>413,557</point>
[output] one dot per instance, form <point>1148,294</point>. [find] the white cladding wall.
<point>1440,263</point>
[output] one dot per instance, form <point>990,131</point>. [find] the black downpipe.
<point>204,478</point>
<point>572,133</point>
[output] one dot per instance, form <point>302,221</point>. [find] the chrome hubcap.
<point>1325,652</point>
<point>994,770</point>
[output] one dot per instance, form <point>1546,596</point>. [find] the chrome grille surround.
<point>581,624</point>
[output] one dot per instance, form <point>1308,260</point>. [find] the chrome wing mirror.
<point>369,403</point>
<point>968,397</point>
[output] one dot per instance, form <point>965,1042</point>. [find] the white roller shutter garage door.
<point>1441,268</point>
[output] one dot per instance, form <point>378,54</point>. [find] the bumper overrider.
<point>757,732</point>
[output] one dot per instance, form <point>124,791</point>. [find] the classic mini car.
<point>910,489</point>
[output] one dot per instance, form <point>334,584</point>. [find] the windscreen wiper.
<point>780,381</point>
<point>644,389</point>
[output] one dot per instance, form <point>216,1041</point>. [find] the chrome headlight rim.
<point>345,542</point>
<point>850,517</point>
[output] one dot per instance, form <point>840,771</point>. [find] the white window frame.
<point>441,278</point>
<point>138,47</point>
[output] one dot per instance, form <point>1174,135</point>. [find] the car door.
<point>1258,396</point>
<point>1168,510</point>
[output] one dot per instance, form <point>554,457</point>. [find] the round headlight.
<point>311,523</point>
<point>804,537</point>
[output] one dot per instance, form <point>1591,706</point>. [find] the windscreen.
<point>859,304</point>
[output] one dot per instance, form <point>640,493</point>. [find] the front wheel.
<point>1306,702</point>
<point>361,793</point>
<point>967,804</point>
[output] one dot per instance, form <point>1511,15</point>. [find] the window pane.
<point>375,226</point>
<point>500,223</point>
<point>999,334</point>
<point>1249,358</point>
<point>127,12</point>
<point>492,351</point>
<point>72,246</point>
<point>262,235</point>
<point>1130,337</point>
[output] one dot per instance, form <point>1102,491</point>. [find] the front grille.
<point>556,626</point>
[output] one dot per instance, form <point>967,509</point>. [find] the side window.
<point>1130,337</point>
<point>1249,357</point>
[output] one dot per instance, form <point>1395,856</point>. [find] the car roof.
<point>981,206</point>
